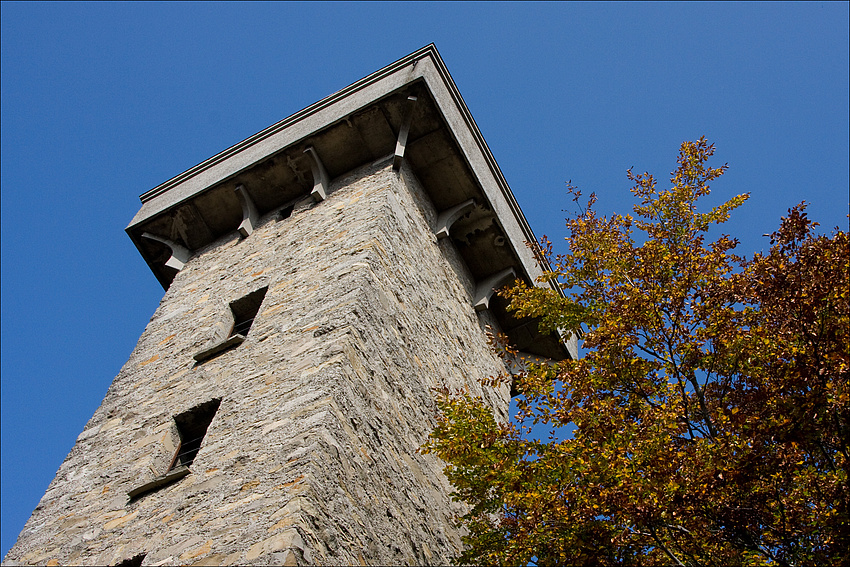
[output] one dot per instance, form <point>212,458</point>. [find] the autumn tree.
<point>708,420</point>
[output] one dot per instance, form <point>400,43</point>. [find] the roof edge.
<point>428,50</point>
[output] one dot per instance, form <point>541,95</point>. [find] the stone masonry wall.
<point>312,455</point>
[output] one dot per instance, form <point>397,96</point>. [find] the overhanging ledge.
<point>355,126</point>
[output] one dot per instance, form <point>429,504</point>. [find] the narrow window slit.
<point>132,561</point>
<point>192,427</point>
<point>244,311</point>
<point>286,212</point>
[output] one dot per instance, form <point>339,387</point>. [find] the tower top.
<point>410,110</point>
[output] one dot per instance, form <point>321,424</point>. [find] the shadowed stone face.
<point>311,455</point>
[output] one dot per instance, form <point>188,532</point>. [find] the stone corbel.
<point>484,290</point>
<point>401,143</point>
<point>179,254</point>
<point>448,217</point>
<point>250,217</point>
<point>321,185</point>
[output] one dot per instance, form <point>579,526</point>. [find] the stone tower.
<point>321,279</point>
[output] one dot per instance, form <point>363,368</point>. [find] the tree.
<point>710,413</point>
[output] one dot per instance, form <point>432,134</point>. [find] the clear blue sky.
<point>101,102</point>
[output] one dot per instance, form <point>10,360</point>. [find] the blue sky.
<point>101,102</point>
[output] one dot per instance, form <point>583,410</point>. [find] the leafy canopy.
<point>711,411</point>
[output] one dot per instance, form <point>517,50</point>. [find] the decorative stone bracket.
<point>250,217</point>
<point>179,254</point>
<point>448,217</point>
<point>321,184</point>
<point>484,290</point>
<point>401,143</point>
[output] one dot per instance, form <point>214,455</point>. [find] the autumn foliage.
<point>707,423</point>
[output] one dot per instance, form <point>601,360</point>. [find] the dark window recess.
<point>192,427</point>
<point>245,310</point>
<point>286,212</point>
<point>132,562</point>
